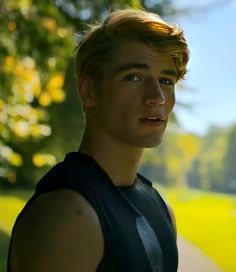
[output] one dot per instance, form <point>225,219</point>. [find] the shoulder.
<point>60,231</point>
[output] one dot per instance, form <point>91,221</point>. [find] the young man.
<point>93,212</point>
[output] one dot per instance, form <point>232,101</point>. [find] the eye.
<point>133,77</point>
<point>166,81</point>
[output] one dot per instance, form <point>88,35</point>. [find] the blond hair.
<point>130,25</point>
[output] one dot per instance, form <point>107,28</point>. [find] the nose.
<point>155,95</point>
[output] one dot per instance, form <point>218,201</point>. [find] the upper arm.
<point>59,232</point>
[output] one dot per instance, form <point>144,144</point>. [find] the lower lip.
<point>152,123</point>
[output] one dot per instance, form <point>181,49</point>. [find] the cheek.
<point>170,98</point>
<point>173,99</point>
<point>112,108</point>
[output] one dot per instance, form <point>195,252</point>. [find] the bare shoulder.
<point>60,231</point>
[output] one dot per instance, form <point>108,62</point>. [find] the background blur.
<point>41,118</point>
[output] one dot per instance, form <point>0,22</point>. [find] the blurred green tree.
<point>207,169</point>
<point>229,158</point>
<point>33,39</point>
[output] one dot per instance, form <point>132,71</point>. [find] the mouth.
<point>152,121</point>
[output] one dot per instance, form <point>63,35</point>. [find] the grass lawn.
<point>10,205</point>
<point>209,221</point>
<point>206,219</point>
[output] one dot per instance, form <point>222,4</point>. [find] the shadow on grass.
<point>4,246</point>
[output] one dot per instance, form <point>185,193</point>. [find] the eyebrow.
<point>128,66</point>
<point>143,66</point>
<point>170,72</point>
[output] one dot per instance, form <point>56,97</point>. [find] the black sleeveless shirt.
<point>135,221</point>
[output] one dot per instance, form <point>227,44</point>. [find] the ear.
<point>86,90</point>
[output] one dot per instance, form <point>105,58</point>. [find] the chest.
<point>137,233</point>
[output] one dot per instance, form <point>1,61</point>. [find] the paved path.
<point>192,259</point>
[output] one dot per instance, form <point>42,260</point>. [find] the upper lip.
<point>154,116</point>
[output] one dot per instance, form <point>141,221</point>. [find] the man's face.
<point>135,95</point>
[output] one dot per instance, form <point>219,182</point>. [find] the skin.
<point>118,128</point>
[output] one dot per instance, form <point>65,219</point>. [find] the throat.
<point>117,159</point>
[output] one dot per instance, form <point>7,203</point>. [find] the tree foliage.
<point>229,159</point>
<point>35,46</point>
<point>174,156</point>
<point>206,162</point>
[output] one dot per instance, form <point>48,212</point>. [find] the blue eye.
<point>132,77</point>
<point>166,81</point>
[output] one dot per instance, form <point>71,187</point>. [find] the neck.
<point>119,160</point>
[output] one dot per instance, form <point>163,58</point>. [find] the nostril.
<point>158,100</point>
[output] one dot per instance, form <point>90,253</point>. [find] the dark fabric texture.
<point>128,246</point>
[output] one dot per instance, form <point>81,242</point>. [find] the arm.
<point>60,232</point>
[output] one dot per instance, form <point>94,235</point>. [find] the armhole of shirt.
<point>165,205</point>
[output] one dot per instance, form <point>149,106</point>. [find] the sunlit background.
<point>41,118</point>
<point>212,70</point>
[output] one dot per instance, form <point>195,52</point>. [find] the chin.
<point>153,141</point>
<point>150,144</point>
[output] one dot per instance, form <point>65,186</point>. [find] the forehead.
<point>125,53</point>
